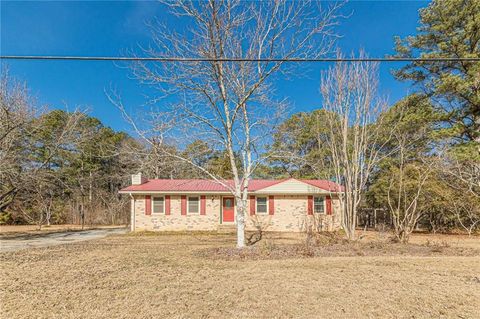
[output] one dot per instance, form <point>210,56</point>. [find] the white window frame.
<point>153,205</point>
<point>256,205</point>
<point>324,205</point>
<point>188,205</point>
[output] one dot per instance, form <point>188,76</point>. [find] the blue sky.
<point>112,27</point>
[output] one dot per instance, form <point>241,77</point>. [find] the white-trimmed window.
<point>158,205</point>
<point>319,205</point>
<point>262,205</point>
<point>193,204</point>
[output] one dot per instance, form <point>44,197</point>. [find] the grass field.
<point>173,275</point>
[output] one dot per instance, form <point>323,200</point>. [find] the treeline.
<point>58,166</point>
<point>427,177</point>
<point>427,173</point>
<point>417,161</point>
<point>67,167</point>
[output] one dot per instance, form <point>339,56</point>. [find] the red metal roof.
<point>203,185</point>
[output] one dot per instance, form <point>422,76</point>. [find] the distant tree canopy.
<point>299,146</point>
<point>202,155</point>
<point>67,162</point>
<point>57,165</point>
<point>63,163</point>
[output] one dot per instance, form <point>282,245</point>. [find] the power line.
<point>182,59</point>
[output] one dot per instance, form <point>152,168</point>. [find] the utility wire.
<point>181,59</point>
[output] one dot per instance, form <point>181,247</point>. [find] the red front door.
<point>228,209</point>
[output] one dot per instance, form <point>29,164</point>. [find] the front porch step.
<point>226,228</point>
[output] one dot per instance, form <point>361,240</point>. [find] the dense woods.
<point>416,161</point>
<point>62,166</point>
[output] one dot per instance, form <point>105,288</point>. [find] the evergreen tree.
<point>448,29</point>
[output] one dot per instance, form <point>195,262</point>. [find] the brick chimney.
<point>138,179</point>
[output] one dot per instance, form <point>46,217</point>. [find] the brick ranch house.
<point>273,205</point>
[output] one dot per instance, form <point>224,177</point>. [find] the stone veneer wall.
<point>290,215</point>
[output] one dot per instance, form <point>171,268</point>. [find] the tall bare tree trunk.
<point>222,99</point>
<point>349,92</point>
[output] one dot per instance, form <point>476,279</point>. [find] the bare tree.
<point>41,179</point>
<point>462,177</point>
<point>405,193</point>
<point>466,210</point>
<point>16,114</point>
<point>36,201</point>
<point>229,105</point>
<point>349,92</point>
<point>464,174</point>
<point>460,171</point>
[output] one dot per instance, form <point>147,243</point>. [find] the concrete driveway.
<point>53,239</point>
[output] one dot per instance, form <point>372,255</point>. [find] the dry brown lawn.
<point>172,275</point>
